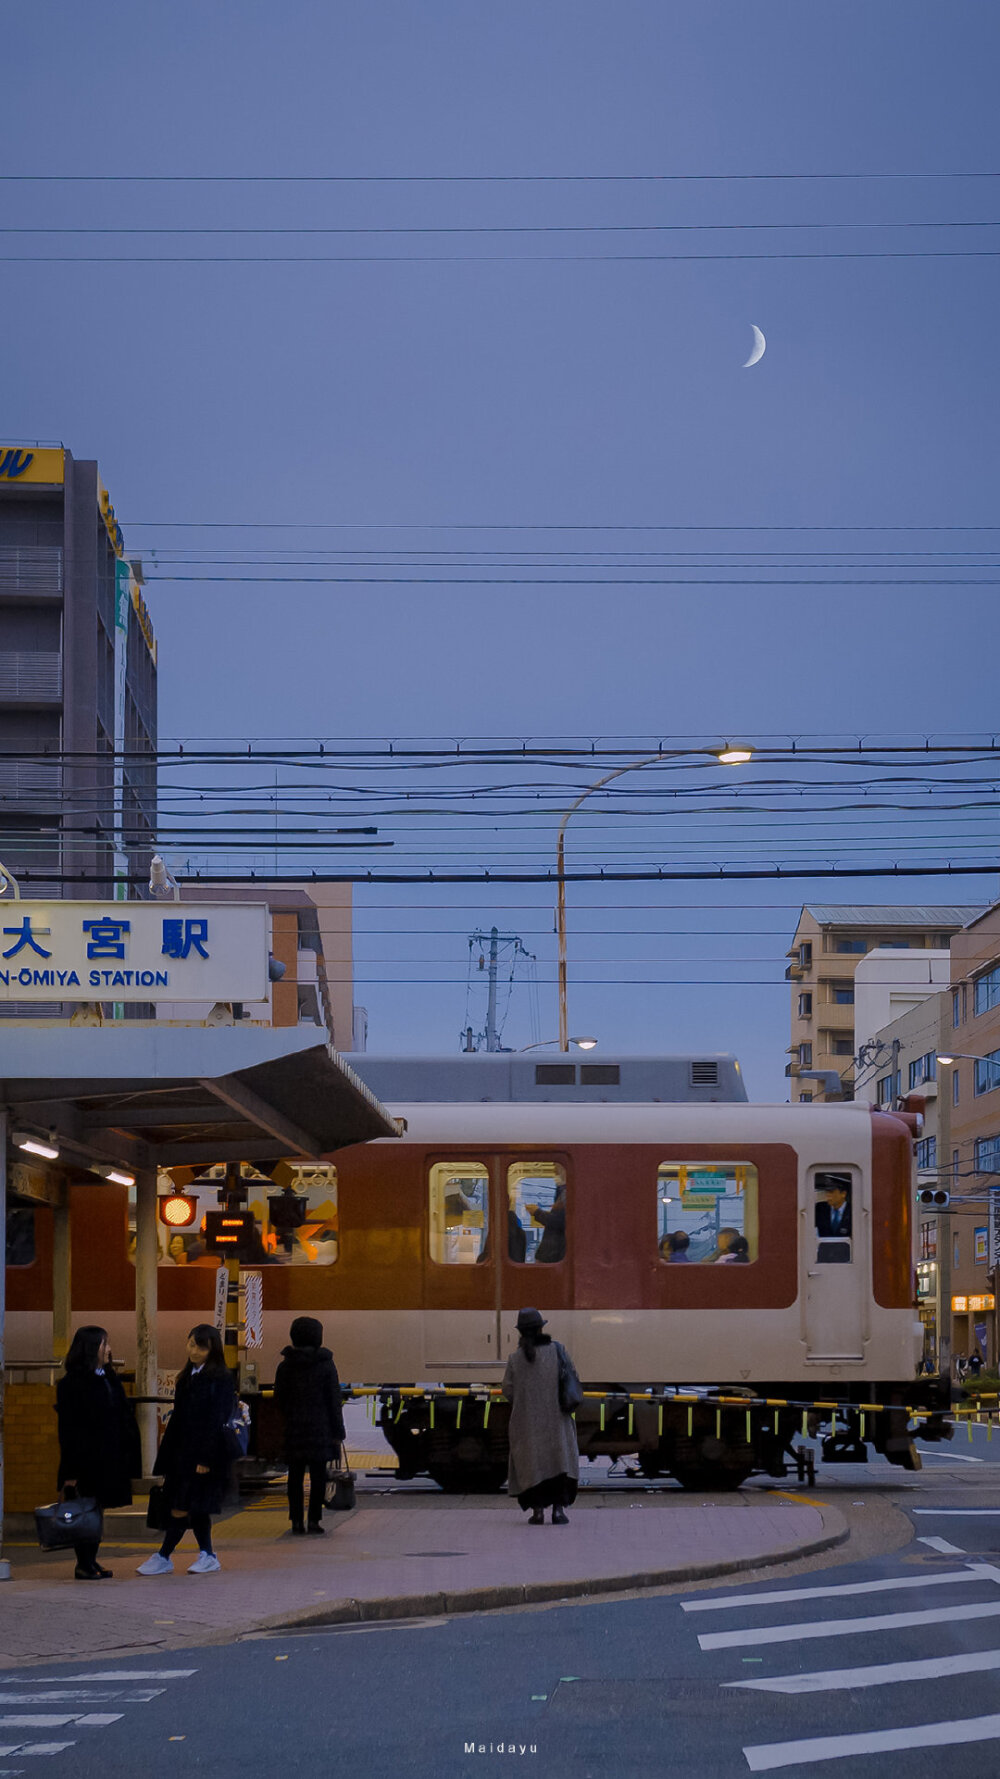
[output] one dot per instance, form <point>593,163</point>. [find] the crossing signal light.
<point>178,1210</point>
<point>934,1198</point>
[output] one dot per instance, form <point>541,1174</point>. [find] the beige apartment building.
<point>311,936</point>
<point>829,942</point>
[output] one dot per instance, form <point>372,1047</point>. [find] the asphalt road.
<point>891,1668</point>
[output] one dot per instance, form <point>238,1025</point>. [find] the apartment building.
<point>78,677</point>
<point>829,942</point>
<point>971,1084</point>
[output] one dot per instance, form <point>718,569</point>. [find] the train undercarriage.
<point>711,1440</point>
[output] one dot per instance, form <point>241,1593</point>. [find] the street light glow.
<point>32,1146</point>
<point>734,756</point>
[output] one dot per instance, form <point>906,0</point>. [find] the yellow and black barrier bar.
<point>489,1394</point>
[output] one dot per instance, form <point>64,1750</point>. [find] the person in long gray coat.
<point>544,1456</point>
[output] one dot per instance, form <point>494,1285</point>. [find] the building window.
<point>954,1085</point>
<point>536,1212</point>
<point>843,994</point>
<point>843,1046</point>
<point>987,1072</point>
<point>955,1004</point>
<point>707,1211</point>
<point>884,1089</point>
<point>956,1250</point>
<point>928,1241</point>
<point>896,944</point>
<point>923,1069</point>
<point>805,1006</point>
<point>927,1155</point>
<point>805,1099</point>
<point>851,945</point>
<point>987,1155</point>
<point>805,1056</point>
<point>986,991</point>
<point>459,1212</point>
<point>805,957</point>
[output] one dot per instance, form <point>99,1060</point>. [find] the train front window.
<point>459,1212</point>
<point>536,1213</point>
<point>707,1213</point>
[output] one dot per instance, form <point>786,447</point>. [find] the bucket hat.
<point>529,1320</point>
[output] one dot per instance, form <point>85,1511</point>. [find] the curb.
<point>492,1599</point>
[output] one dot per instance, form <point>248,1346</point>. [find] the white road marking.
<point>973,1572</point>
<point>941,1544</point>
<point>885,1674</point>
<point>847,1627</point>
<point>953,1457</point>
<point>37,1748</point>
<point>73,1697</point>
<point>110,1674</point>
<point>769,1755</point>
<point>52,1720</point>
<point>961,1513</point>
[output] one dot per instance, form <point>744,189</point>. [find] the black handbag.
<point>157,1512</point>
<point>65,1523</point>
<point>340,1495</point>
<point>570,1388</point>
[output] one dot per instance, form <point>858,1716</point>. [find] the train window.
<point>459,1212</point>
<point>536,1212</point>
<point>707,1212</point>
<point>20,1244</point>
<point>295,1223</point>
<point>833,1217</point>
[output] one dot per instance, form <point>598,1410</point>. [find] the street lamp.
<point>581,1044</point>
<point>163,885</point>
<point>728,756</point>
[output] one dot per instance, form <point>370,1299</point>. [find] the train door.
<point>461,1319</point>
<point>537,1221</point>
<point>835,1254</point>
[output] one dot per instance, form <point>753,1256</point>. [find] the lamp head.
<point>734,756</point>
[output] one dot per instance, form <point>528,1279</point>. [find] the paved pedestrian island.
<point>411,1557</point>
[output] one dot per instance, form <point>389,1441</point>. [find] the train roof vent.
<point>704,1074</point>
<point>555,1074</point>
<point>600,1074</point>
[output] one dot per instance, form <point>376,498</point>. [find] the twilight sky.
<point>518,391</point>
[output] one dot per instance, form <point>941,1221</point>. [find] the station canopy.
<point>145,1096</point>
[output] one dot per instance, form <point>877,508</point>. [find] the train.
<point>722,1273</point>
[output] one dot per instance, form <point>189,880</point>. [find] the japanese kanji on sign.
<point>133,951</point>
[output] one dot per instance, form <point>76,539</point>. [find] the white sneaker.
<point>204,1564</point>
<point>156,1565</point>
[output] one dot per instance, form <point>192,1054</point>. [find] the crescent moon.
<point>759,348</point>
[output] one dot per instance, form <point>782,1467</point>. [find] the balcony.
<point>831,1016</point>
<point>794,973</point>
<point>31,572</point>
<point>31,676</point>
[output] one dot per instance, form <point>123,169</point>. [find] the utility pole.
<point>491,997</point>
<point>943,1222</point>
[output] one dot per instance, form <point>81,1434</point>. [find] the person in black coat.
<point>307,1391</point>
<point>99,1451</point>
<point>193,1458</point>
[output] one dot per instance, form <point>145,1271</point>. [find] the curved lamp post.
<point>581,1044</point>
<point>9,882</point>
<point>729,756</point>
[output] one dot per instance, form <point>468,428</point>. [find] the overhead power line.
<point>475,259</point>
<point>464,178</point>
<point>727,874</point>
<point>481,228</point>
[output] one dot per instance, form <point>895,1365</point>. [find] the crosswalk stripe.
<point>973,1572</point>
<point>109,1674</point>
<point>884,1674</point>
<point>941,1544</point>
<point>768,1755</point>
<point>20,1748</point>
<point>57,1720</point>
<point>846,1627</point>
<point>75,1696</point>
<point>952,1457</point>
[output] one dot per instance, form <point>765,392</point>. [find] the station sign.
<point>133,951</point>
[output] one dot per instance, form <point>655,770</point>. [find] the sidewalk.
<point>412,1556</point>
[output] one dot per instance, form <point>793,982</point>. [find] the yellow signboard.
<point>19,464</point>
<point>983,1301</point>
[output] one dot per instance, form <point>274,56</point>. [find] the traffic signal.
<point>934,1198</point>
<point>229,1232</point>
<point>177,1210</point>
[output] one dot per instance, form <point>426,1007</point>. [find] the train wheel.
<point>711,1478</point>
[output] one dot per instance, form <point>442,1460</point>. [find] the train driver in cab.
<point>833,1219</point>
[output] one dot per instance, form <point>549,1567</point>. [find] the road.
<point>881,1661</point>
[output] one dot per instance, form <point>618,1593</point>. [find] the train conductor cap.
<point>529,1321</point>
